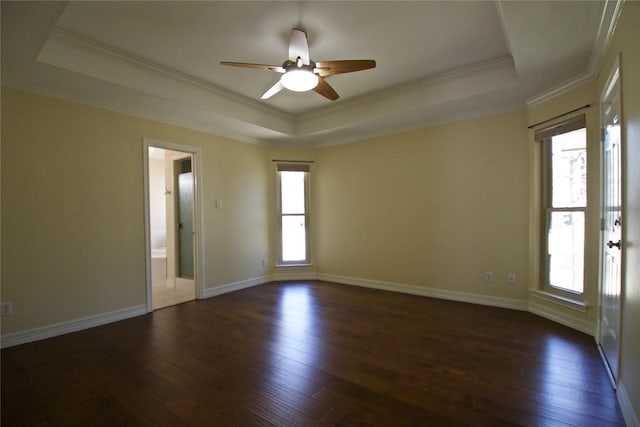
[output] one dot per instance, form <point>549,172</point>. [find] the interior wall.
<point>586,94</point>
<point>625,43</point>
<point>73,241</point>
<point>435,207</point>
<point>157,201</point>
<point>236,235</point>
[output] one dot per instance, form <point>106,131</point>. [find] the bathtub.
<point>159,266</point>
<point>159,253</point>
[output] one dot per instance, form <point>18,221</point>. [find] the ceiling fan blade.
<point>298,46</point>
<point>326,90</point>
<point>276,68</point>
<point>329,68</point>
<point>277,87</point>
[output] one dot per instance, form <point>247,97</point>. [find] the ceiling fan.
<point>301,74</point>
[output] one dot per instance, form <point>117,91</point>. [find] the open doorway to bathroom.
<point>172,226</point>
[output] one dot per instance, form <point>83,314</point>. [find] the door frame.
<point>615,73</point>
<point>198,256</point>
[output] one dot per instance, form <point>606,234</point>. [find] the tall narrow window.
<point>564,205</point>
<point>293,183</point>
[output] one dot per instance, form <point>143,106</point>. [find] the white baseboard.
<point>75,325</point>
<point>628,412</point>
<point>541,310</point>
<point>427,292</point>
<point>294,275</point>
<point>564,319</point>
<point>114,316</point>
<point>374,284</point>
<point>236,286</point>
<point>607,368</point>
<point>49,331</point>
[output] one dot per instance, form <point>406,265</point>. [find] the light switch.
<point>218,204</point>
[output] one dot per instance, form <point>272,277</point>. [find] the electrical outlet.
<point>488,276</point>
<point>7,309</point>
<point>265,262</point>
<point>511,278</point>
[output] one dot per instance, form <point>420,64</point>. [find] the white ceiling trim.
<point>71,51</point>
<point>502,63</point>
<point>95,47</point>
<point>490,76</point>
<point>76,63</point>
<point>608,21</point>
<point>561,88</point>
<point>475,113</point>
<point>149,107</point>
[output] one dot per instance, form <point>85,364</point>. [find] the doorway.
<point>612,225</point>
<point>172,226</point>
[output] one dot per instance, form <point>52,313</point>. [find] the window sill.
<point>573,304</point>
<point>293,266</point>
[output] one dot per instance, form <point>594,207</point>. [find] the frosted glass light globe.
<point>299,80</point>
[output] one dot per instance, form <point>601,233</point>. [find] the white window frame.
<point>294,167</point>
<point>544,136</point>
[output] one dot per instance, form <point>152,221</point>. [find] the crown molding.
<point>446,77</point>
<point>51,58</point>
<point>608,21</point>
<point>562,88</point>
<point>124,107</point>
<point>75,52</point>
<point>94,47</point>
<point>417,99</point>
<point>477,113</point>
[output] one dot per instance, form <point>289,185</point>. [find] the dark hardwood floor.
<point>312,353</point>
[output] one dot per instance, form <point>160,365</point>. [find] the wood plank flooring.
<point>312,354</point>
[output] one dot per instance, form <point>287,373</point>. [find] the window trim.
<point>544,137</point>
<point>293,167</point>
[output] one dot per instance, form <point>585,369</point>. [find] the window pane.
<point>569,166</point>
<point>566,250</point>
<point>292,192</point>
<point>293,238</point>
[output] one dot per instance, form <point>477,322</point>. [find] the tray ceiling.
<point>436,61</point>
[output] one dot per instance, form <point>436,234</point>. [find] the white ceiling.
<point>436,61</point>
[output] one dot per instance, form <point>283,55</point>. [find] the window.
<point>293,203</point>
<point>564,193</point>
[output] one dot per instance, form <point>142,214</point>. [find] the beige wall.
<point>433,208</point>
<point>584,95</point>
<point>72,209</point>
<point>625,42</point>
<point>157,203</point>
<point>236,236</point>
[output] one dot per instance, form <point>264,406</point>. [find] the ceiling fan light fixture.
<point>300,74</point>
<point>299,80</point>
